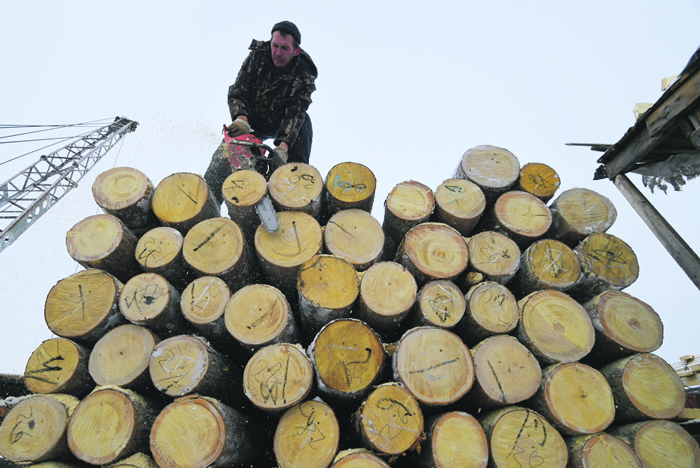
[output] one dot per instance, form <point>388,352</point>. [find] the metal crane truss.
<point>32,192</point>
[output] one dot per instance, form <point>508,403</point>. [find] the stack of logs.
<point>476,326</point>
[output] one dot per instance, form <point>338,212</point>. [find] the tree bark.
<point>601,450</point>
<point>521,437</point>
<point>126,193</point>
<point>454,440</point>
<point>59,365</point>
<point>103,242</point>
<point>506,372</point>
<point>433,251</point>
<point>494,170</point>
<point>307,436</point>
<point>495,256</point>
<point>297,187</point>
<point>459,204</point>
<point>645,387</point>
<point>578,213</point>
<point>440,304</point>
<point>652,442</point>
<point>546,264</point>
<point>539,180</point>
<point>624,325</point>
<point>281,254</point>
<point>491,310</point>
<point>149,300</point>
<point>84,306</point>
<point>387,294</point>
<point>407,205</point>
<point>183,200</point>
<point>121,357</point>
<point>259,315</point>
<point>355,236</point>
<point>34,430</point>
<point>554,327</point>
<point>199,432</point>
<point>278,377</point>
<point>390,421</point>
<point>348,358</point>
<point>349,185</point>
<point>328,288</point>
<point>110,424</point>
<point>203,303</point>
<point>216,247</point>
<point>139,460</point>
<point>518,215</point>
<point>160,251</point>
<point>358,458</point>
<point>575,398</point>
<point>434,365</point>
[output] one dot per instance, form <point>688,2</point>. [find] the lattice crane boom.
<point>30,193</point>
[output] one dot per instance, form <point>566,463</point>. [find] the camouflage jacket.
<point>274,100</point>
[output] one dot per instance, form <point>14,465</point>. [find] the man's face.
<point>282,49</point>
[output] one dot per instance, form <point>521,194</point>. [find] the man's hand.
<point>238,127</point>
<point>279,157</point>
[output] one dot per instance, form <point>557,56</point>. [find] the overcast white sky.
<point>404,87</point>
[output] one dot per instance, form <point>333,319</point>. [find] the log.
<point>199,432</point>
<point>103,242</point>
<point>242,190</point>
<point>600,450</point>
<point>520,437</point>
<point>126,193</point>
<point>660,444</point>
<point>554,327</point>
<point>387,294</point>
<point>348,358</point>
<point>216,247</point>
<point>454,440</point>
<point>546,264</point>
<point>183,200</point>
<point>459,204</point>
<point>575,398</point>
<point>278,377</point>
<point>390,422</point>
<point>491,310</point>
<point>59,365</point>
<point>138,460</point>
<point>434,365</point>
<point>407,205</point>
<point>149,300</point>
<point>578,213</point>
<point>645,387</point>
<point>297,187</point>
<point>84,306</point>
<point>160,251</point>
<point>187,364</point>
<point>624,325</point>
<point>328,287</point>
<point>433,251</point>
<point>607,263</point>
<point>307,436</point>
<point>349,185</point>
<point>505,370</point>
<point>358,458</point>
<point>494,170</point>
<point>203,303</point>
<point>355,236</point>
<point>121,357</point>
<point>34,430</point>
<point>493,255</point>
<point>439,304</point>
<point>539,180</point>
<point>259,315</point>
<point>519,215</point>
<point>110,424</point>
<point>281,254</point>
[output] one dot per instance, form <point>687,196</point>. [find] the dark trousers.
<point>220,166</point>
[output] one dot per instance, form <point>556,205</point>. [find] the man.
<point>269,99</point>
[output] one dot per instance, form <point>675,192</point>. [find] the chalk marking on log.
<point>309,428</point>
<point>552,267</point>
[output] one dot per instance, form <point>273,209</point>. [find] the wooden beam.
<point>669,238</point>
<point>676,105</point>
<point>638,146</point>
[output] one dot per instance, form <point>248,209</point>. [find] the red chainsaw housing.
<point>241,156</point>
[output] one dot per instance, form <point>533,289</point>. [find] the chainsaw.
<point>241,156</point>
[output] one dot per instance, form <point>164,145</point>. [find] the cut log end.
<point>578,213</point>
<point>158,247</point>
<point>441,303</point>
<point>601,450</point>
<point>494,255</point>
<point>539,180</point>
<point>297,187</point>
<point>459,204</point>
<point>178,364</point>
<point>182,200</point>
<point>350,185</point>
<point>457,440</point>
<point>41,375</point>
<point>493,169</point>
<point>492,309</point>
<point>307,436</point>
<point>122,355</point>
<point>204,300</point>
<point>355,236</point>
<point>214,247</point>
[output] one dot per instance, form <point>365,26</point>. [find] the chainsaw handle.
<point>252,144</point>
